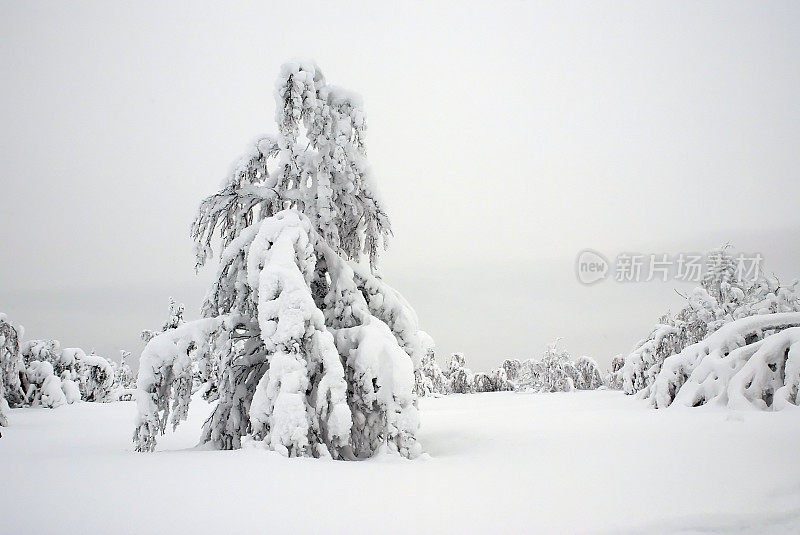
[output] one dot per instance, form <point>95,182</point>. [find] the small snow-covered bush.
<point>44,386</point>
<point>72,391</point>
<point>49,373</point>
<point>613,380</point>
<point>494,381</point>
<point>529,376</point>
<point>558,372</point>
<point>124,385</point>
<point>96,377</point>
<point>588,374</point>
<point>312,353</point>
<point>460,378</point>
<point>512,368</point>
<point>428,377</point>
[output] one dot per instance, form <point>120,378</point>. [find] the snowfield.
<point>581,462</point>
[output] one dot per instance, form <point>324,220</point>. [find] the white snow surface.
<point>502,462</point>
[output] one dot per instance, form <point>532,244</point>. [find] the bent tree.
<point>313,354</point>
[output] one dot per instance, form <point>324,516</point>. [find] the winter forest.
<point>553,288</point>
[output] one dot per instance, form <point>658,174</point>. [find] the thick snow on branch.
<point>306,349</point>
<point>724,296</point>
<point>303,359</point>
<point>750,362</point>
<point>164,360</point>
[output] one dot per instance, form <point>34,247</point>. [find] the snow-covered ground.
<point>585,462</point>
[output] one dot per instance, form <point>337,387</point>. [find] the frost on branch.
<point>309,352</point>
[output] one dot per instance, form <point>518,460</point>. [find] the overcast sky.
<point>505,138</point>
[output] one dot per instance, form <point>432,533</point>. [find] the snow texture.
<point>584,462</point>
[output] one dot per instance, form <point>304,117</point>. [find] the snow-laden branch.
<point>730,366</point>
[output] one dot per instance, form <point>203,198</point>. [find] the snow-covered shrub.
<point>529,376</point>
<point>11,368</point>
<point>460,378</point>
<point>124,375</point>
<point>96,377</point>
<point>752,362</point>
<point>613,380</point>
<point>482,383</point>
<point>494,381</point>
<point>43,385</point>
<point>72,391</point>
<point>554,372</point>
<point>50,373</point>
<point>314,353</point>
<point>42,373</point>
<point>124,385</point>
<point>588,374</point>
<point>558,372</point>
<point>512,368</point>
<point>723,297</point>
<point>428,377</point>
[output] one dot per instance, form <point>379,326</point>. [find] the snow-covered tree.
<point>173,321</point>
<point>47,351</point>
<point>460,378</point>
<point>43,385</point>
<point>428,377</point>
<point>493,381</point>
<point>96,377</point>
<point>613,379</point>
<point>124,385</point>
<point>315,353</point>
<point>588,377</point>
<point>752,362</point>
<point>529,376</point>
<point>11,367</point>
<point>50,374</point>
<point>558,372</point>
<point>41,373</point>
<point>723,297</point>
<point>124,375</point>
<point>512,368</point>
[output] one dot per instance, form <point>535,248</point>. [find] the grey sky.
<point>505,138</point>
